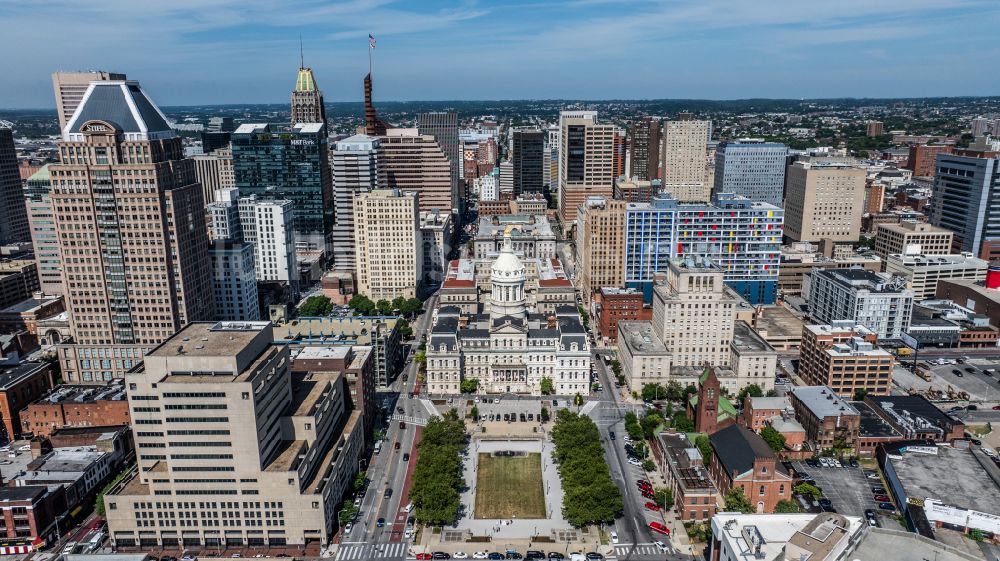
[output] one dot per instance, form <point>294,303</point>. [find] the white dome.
<point>507,267</point>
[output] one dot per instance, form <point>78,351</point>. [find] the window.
<point>762,490</point>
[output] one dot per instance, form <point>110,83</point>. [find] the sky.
<point>188,52</point>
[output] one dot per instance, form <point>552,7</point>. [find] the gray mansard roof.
<point>120,103</point>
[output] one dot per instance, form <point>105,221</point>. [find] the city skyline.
<point>227,52</point>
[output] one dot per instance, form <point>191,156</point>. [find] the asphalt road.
<point>386,469</point>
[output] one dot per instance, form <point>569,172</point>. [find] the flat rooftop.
<point>640,338</point>
<point>84,393</point>
<point>779,322</point>
<point>337,353</point>
<point>898,545</point>
<point>823,401</point>
<point>873,426</point>
<point>765,402</point>
<point>207,339</point>
<point>10,377</point>
<point>775,530</point>
<point>953,476</point>
<point>745,339</point>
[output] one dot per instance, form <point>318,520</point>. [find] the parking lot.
<point>849,489</point>
<point>970,377</point>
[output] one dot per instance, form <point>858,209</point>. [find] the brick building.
<point>829,420</point>
<point>357,364</point>
<point>684,471</point>
<point>77,406</point>
<point>26,313</point>
<point>845,357</point>
<point>19,386</point>
<point>619,304</point>
<point>916,418</point>
<point>742,459</point>
<point>29,517</point>
<point>923,157</point>
<point>757,411</point>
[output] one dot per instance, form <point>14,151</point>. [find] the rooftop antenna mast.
<point>302,55</point>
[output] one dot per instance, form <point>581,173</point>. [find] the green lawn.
<point>510,487</point>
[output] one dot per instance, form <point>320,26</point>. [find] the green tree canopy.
<point>664,497</point>
<point>787,506</point>
<point>315,306</point>
<point>405,329</point>
<point>632,426</point>
<point>683,423</point>
<point>753,390</point>
<point>398,303</point>
<point>547,387</point>
<point>411,307</point>
<point>705,447</point>
<point>736,501</point>
<point>809,490</point>
<point>383,307</point>
<point>589,493</point>
<point>651,392</point>
<point>469,385</point>
<point>362,305</point>
<point>773,438</point>
<point>650,423</point>
<point>437,476</point>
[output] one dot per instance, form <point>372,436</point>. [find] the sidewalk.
<point>678,535</point>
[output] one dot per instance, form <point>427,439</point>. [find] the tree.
<point>736,501</point>
<point>632,427</point>
<point>411,307</point>
<point>578,400</point>
<point>544,414</point>
<point>674,391</point>
<point>383,307</point>
<point>546,386</point>
<point>437,476</point>
<point>398,303</point>
<point>469,385</point>
<point>362,305</point>
<point>315,306</point>
<point>359,481</point>
<point>664,497</point>
<point>648,465</point>
<point>474,413</point>
<point>405,330</point>
<point>420,357</point>
<point>806,489</point>
<point>860,393</point>
<point>753,390</point>
<point>682,423</point>
<point>589,494</point>
<point>650,423</point>
<point>689,390</point>
<point>773,438</point>
<point>652,392</point>
<point>348,513</point>
<point>584,316</point>
<point>772,393</point>
<point>787,506</point>
<point>705,447</point>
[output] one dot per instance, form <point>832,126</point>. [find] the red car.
<point>647,494</point>
<point>643,483</point>
<point>422,556</point>
<point>657,527</point>
<point>996,407</point>
<point>882,499</point>
<point>653,506</point>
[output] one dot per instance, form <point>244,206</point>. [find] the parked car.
<point>480,555</point>
<point>534,554</point>
<point>611,434</point>
<point>614,538</point>
<point>660,528</point>
<point>494,555</point>
<point>660,545</point>
<point>882,499</point>
<point>825,502</point>
<point>886,506</point>
<point>424,556</point>
<point>594,555</point>
<point>652,506</point>
<point>380,523</point>
<point>460,555</point>
<point>556,555</point>
<point>514,555</point>
<point>406,457</point>
<point>440,555</point>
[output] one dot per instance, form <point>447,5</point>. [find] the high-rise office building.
<point>214,171</point>
<point>527,155</point>
<point>751,168</point>
<point>388,244</point>
<point>619,151</point>
<point>13,216</point>
<point>234,281</point>
<point>42,227</point>
<point>130,218</point>
<point>69,88</point>
<point>923,271</point>
<point>644,145</point>
<point>374,125</point>
<point>235,449</point>
<point>443,126</point>
<point>824,200</point>
<point>289,163</point>
<point>355,170</point>
<point>586,166</point>
<point>269,226</point>
<point>414,162</point>
<point>741,236</point>
<point>685,173</point>
<point>307,99</point>
<point>217,135</point>
<point>979,126</point>
<point>966,188</point>
<point>600,243</point>
<point>506,177</point>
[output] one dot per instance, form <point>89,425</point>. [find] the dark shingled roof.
<point>737,447</point>
<point>109,102</point>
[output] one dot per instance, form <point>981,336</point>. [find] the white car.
<point>348,528</point>
<point>460,555</point>
<point>408,507</point>
<point>634,462</point>
<point>660,545</point>
<point>614,538</point>
<point>480,555</point>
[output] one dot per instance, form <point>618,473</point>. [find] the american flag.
<point>371,41</point>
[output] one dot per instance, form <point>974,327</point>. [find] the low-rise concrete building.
<point>924,271</point>
<point>911,236</point>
